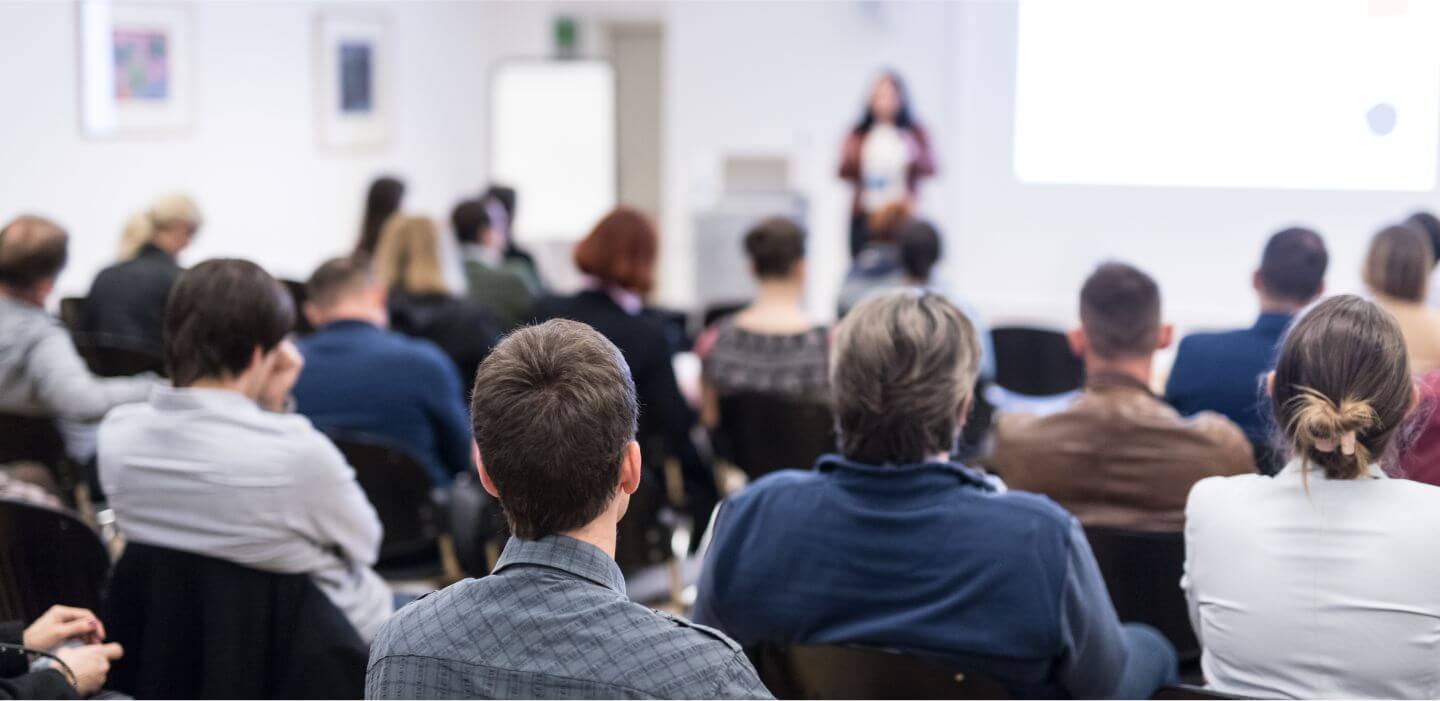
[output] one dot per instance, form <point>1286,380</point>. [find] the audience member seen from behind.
<point>41,374</point>
<point>772,346</point>
<point>1223,372</point>
<point>1397,273</point>
<point>382,201</point>
<point>884,156</point>
<point>1317,583</point>
<point>500,202</point>
<point>73,635</point>
<point>877,267</point>
<point>554,414</point>
<point>421,304</point>
<point>126,305</point>
<point>363,380</point>
<point>217,467</point>
<point>919,249</point>
<point>1426,223</point>
<point>1118,457</point>
<point>618,258</point>
<point>487,278</point>
<point>891,544</point>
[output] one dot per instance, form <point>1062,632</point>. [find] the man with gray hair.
<point>891,544</point>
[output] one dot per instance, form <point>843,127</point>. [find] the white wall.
<point>268,190</point>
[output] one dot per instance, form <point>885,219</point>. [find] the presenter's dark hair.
<point>1292,268</point>
<point>553,410</point>
<point>774,247</point>
<point>381,201</point>
<point>219,312</point>
<point>1120,311</point>
<point>903,119</point>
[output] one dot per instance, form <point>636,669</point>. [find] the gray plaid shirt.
<point>552,622</point>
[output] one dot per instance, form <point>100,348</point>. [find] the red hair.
<point>621,251</point>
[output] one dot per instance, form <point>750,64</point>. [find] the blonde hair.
<point>408,256</point>
<point>166,212</point>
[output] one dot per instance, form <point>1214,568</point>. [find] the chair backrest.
<point>762,433</point>
<point>72,313</point>
<point>1190,692</point>
<point>398,488</point>
<point>198,627</point>
<point>47,557</point>
<point>855,672</point>
<point>1033,361</point>
<point>31,438</point>
<point>1142,571</point>
<point>299,295</point>
<point>114,360</point>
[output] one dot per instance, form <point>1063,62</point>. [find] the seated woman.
<point>407,259</point>
<point>1318,582</point>
<point>1397,273</point>
<point>771,346</point>
<point>618,260</point>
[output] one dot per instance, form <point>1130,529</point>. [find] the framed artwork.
<point>135,75</point>
<point>353,101</point>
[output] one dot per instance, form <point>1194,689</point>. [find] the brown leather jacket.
<point>1119,457</point>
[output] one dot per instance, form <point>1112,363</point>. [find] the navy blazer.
<point>1224,372</point>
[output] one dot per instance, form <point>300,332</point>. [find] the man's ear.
<point>1078,343</point>
<point>964,411</point>
<point>1165,337</point>
<point>630,468</point>
<point>1270,384</point>
<point>1256,283</point>
<point>485,480</point>
<point>312,314</point>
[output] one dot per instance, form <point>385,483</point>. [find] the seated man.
<point>215,467</point>
<point>891,544</point>
<point>1223,372</point>
<point>1118,456</point>
<point>361,378</point>
<point>489,282</point>
<point>554,414</point>
<point>41,374</point>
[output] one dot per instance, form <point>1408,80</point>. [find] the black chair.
<point>196,627</point>
<point>853,672</point>
<point>762,433</point>
<point>31,438</point>
<point>399,489</point>
<point>1035,362</point>
<point>1142,571</point>
<point>72,313</point>
<point>109,359</point>
<point>1190,692</point>
<point>298,294</point>
<point>47,557</point>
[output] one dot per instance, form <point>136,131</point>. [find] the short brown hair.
<point>902,366</point>
<point>31,249</point>
<point>218,313</point>
<point>1120,311</point>
<point>1398,264</point>
<point>553,409</point>
<point>1341,369</point>
<point>338,277</point>
<point>1292,268</point>
<point>775,246</point>
<point>621,251</point>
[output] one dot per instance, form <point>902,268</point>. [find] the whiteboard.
<point>552,138</point>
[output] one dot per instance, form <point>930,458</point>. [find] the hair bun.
<point>1317,419</point>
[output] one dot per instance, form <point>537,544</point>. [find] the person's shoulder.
<point>778,485</point>
<point>417,629</point>
<point>1222,491</point>
<point>1032,508</point>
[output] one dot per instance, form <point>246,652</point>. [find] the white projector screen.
<point>1292,94</point>
<point>553,139</point>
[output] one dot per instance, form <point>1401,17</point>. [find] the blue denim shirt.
<point>552,622</point>
<point>932,558</point>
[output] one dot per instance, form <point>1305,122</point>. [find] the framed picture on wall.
<point>353,99</point>
<point>135,69</point>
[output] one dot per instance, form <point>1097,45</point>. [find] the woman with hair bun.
<point>1322,581</point>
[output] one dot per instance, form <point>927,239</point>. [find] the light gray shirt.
<point>209,472</point>
<point>41,373</point>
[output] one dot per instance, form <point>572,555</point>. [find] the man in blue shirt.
<point>361,378</point>
<point>890,544</point>
<point>1223,372</point>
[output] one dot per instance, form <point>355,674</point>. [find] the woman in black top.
<point>619,259</point>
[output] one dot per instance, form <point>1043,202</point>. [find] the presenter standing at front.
<point>884,157</point>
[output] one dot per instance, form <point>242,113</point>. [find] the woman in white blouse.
<point>1323,581</point>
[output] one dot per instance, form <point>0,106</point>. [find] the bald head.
<point>32,254</point>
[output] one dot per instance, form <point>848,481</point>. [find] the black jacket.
<point>16,679</point>
<point>663,410</point>
<point>466,331</point>
<point>126,306</point>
